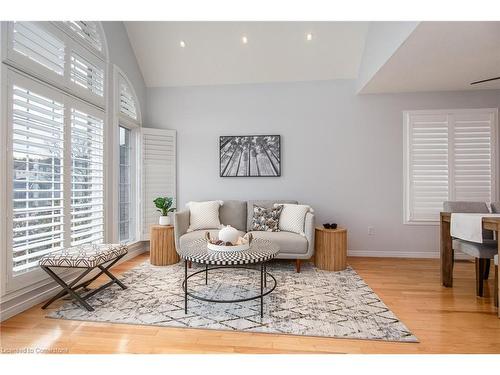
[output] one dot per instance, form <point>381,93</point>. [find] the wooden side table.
<point>162,245</point>
<point>330,249</point>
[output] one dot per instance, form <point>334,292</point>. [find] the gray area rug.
<point>311,303</point>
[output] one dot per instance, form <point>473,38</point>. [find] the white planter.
<point>164,220</point>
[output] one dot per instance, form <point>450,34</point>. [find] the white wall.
<point>341,152</point>
<point>382,40</point>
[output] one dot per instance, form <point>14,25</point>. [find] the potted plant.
<point>164,206</point>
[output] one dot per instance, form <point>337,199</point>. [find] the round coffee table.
<point>259,252</point>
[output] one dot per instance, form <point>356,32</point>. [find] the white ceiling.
<point>276,51</point>
<point>442,56</point>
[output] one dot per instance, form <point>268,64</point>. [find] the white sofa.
<point>239,215</point>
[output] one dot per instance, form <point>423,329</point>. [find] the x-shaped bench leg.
<point>105,269</point>
<point>71,288</point>
<point>67,288</point>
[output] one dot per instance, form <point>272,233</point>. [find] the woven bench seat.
<point>84,256</point>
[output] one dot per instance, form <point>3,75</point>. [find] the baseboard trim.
<point>28,300</point>
<point>402,254</point>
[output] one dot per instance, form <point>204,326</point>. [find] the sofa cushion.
<point>234,213</point>
<point>204,215</point>
<point>266,219</point>
<point>293,217</point>
<point>262,203</point>
<point>84,256</point>
<point>197,234</point>
<point>288,242</point>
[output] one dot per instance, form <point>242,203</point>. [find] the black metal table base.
<point>261,295</point>
<point>72,287</point>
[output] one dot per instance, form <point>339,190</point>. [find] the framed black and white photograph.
<point>250,156</point>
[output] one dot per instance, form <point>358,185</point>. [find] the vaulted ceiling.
<point>215,53</point>
<point>398,56</point>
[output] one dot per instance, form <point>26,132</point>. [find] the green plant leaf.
<point>164,205</point>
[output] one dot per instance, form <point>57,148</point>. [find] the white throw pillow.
<point>204,215</point>
<point>293,217</point>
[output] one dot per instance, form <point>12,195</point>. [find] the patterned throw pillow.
<point>266,219</point>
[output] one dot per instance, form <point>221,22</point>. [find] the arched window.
<point>128,100</point>
<point>89,31</point>
<point>128,120</point>
<point>56,100</point>
<point>70,55</point>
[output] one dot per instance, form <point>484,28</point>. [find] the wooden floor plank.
<point>444,320</point>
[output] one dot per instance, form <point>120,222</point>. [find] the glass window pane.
<point>125,187</point>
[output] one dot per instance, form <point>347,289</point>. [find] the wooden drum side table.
<point>330,249</point>
<point>162,245</point>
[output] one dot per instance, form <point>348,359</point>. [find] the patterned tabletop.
<point>260,251</point>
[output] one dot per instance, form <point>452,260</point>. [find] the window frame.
<point>406,157</point>
<point>103,53</point>
<point>26,64</point>
<point>71,44</point>
<point>92,111</point>
<point>12,77</point>
<point>133,233</point>
<point>122,120</point>
<point>23,69</point>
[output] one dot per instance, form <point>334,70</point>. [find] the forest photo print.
<point>250,156</point>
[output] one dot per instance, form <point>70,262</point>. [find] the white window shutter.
<point>87,175</point>
<point>158,172</point>
<point>449,155</point>
<point>38,44</point>
<point>128,106</point>
<point>473,157</point>
<point>86,31</point>
<point>37,143</point>
<point>86,74</point>
<point>427,154</point>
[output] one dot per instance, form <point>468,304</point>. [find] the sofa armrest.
<point>181,225</point>
<point>309,232</point>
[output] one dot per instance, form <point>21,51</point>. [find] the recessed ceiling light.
<point>244,39</point>
<point>182,43</point>
<point>309,36</point>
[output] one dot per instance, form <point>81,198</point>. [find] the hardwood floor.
<point>445,321</point>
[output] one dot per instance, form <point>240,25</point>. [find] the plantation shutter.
<point>37,142</point>
<point>87,31</point>
<point>86,74</point>
<point>38,44</point>
<point>158,172</point>
<point>87,178</point>
<point>428,165</point>
<point>449,156</point>
<point>127,100</point>
<point>473,156</point>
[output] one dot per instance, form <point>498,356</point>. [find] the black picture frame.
<point>260,154</point>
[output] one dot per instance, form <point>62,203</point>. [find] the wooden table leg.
<point>446,255</point>
<point>498,278</point>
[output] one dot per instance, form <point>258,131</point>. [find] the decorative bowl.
<point>240,244</point>
<point>228,249</point>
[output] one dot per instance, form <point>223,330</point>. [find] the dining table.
<point>447,254</point>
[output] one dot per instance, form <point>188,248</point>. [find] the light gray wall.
<point>122,55</point>
<point>342,153</point>
<point>382,40</point>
